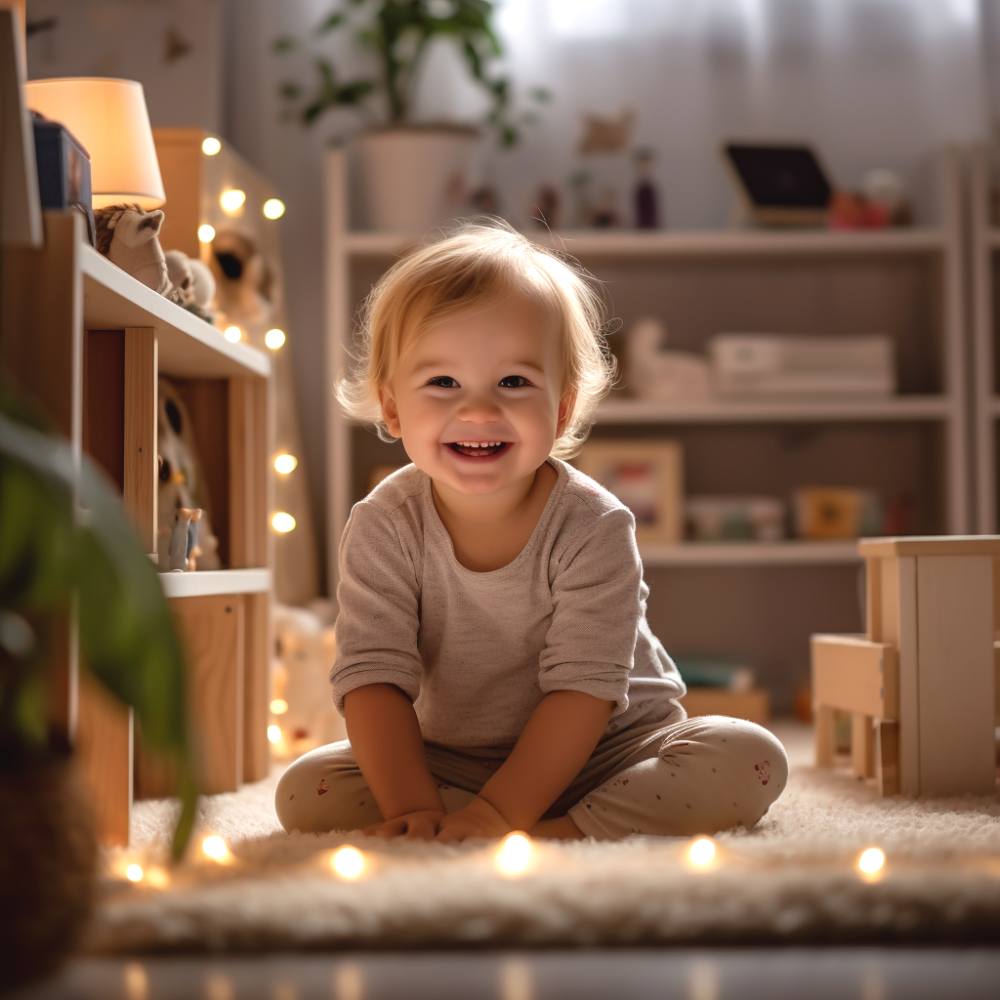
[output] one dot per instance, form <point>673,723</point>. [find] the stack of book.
<point>721,686</point>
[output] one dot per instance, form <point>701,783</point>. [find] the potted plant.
<point>68,553</point>
<point>408,172</point>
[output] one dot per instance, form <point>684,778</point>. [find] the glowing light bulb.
<point>210,146</point>
<point>233,334</point>
<point>206,233</point>
<point>279,706</point>
<point>232,200</point>
<point>515,854</point>
<point>214,847</point>
<point>275,339</point>
<point>285,463</point>
<point>701,853</point>
<point>273,208</point>
<point>283,522</point>
<point>871,863</point>
<point>134,872</point>
<point>348,863</point>
<point>274,733</point>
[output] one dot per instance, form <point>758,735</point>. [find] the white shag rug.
<point>792,879</point>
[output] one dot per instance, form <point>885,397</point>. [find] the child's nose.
<point>479,408</point>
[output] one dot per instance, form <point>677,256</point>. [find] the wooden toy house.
<point>921,685</point>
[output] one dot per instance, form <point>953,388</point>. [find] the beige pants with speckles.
<point>700,775</point>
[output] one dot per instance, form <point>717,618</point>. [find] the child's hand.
<point>422,824</point>
<point>477,819</point>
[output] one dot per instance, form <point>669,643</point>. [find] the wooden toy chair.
<point>921,686</point>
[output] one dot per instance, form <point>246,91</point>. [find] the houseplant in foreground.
<point>406,168</point>
<point>58,563</point>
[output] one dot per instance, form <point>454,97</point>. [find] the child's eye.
<point>440,378</point>
<point>521,377</point>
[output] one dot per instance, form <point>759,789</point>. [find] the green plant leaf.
<point>289,90</point>
<point>284,43</point>
<point>330,23</point>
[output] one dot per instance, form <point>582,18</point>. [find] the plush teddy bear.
<point>128,237</point>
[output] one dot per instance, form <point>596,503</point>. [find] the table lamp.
<point>110,120</point>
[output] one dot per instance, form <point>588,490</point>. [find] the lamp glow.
<point>214,847</point>
<point>871,863</point>
<point>701,853</point>
<point>274,208</point>
<point>275,339</point>
<point>273,733</point>
<point>206,233</point>
<point>283,522</point>
<point>134,872</point>
<point>348,862</point>
<point>232,200</point>
<point>210,146</point>
<point>233,334</point>
<point>285,463</point>
<point>515,854</point>
<point>279,706</point>
<point>157,878</point>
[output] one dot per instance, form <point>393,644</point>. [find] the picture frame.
<point>779,184</point>
<point>647,476</point>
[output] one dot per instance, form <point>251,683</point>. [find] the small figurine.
<point>645,196</point>
<point>606,135</point>
<point>128,237</point>
<point>579,184</point>
<point>605,213</point>
<point>183,551</point>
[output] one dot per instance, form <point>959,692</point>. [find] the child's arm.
<point>554,745</point>
<point>385,737</point>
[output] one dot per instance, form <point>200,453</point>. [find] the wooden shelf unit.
<point>88,343</point>
<point>984,230</point>
<point>906,283</point>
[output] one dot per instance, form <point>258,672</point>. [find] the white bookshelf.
<point>985,253</point>
<point>906,283</point>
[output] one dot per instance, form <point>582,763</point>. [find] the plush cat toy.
<point>128,237</point>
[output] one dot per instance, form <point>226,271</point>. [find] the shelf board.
<point>893,408</point>
<point>202,583</point>
<point>187,345</point>
<point>691,243</point>
<point>791,553</point>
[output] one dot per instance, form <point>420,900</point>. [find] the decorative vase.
<point>48,863</point>
<point>412,178</point>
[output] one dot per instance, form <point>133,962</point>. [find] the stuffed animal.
<point>194,283</point>
<point>128,237</point>
<point>305,648</point>
<point>247,287</point>
<point>181,483</point>
<point>655,373</point>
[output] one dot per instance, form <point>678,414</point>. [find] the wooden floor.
<point>693,974</point>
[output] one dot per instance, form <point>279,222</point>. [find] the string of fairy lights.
<point>516,856</point>
<point>233,202</point>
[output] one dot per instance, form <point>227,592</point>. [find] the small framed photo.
<point>647,477</point>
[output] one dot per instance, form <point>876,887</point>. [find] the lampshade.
<point>109,118</point>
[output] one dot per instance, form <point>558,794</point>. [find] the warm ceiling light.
<point>206,233</point>
<point>274,208</point>
<point>233,334</point>
<point>275,339</point>
<point>285,463</point>
<point>210,146</point>
<point>232,200</point>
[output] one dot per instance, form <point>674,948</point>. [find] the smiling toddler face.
<point>490,374</point>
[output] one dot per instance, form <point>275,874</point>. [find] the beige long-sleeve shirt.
<point>477,651</point>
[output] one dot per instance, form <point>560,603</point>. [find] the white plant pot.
<point>413,178</point>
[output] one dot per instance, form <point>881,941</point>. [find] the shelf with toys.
<point>898,452</point>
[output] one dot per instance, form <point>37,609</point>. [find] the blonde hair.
<point>476,263</point>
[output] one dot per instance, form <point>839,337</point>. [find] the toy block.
<point>921,686</point>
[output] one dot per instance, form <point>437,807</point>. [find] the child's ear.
<point>390,412</point>
<point>565,409</point>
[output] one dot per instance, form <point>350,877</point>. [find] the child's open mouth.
<point>480,451</point>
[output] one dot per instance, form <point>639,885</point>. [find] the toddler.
<point>494,666</point>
